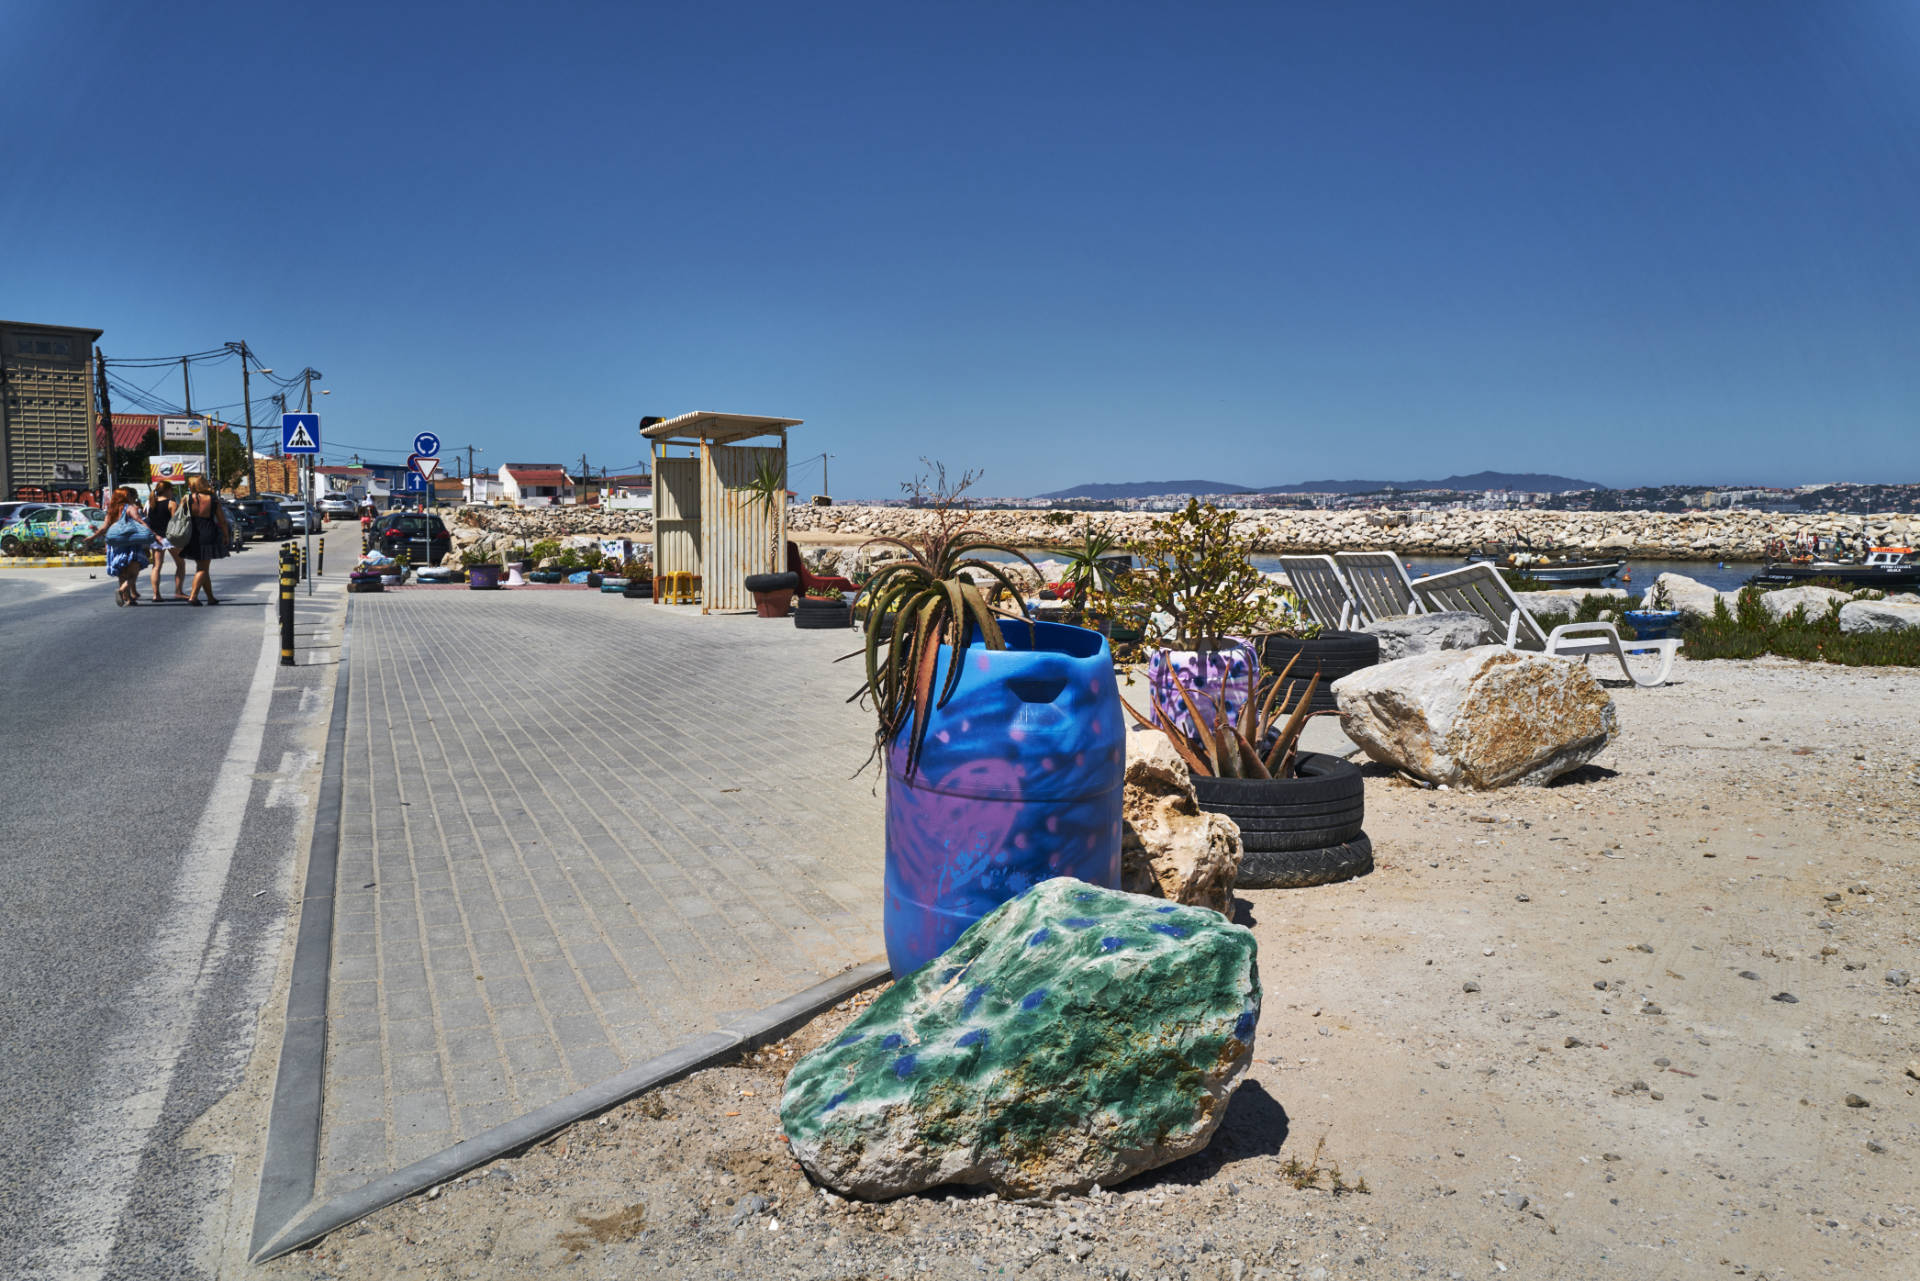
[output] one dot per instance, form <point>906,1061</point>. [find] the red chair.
<point>810,581</point>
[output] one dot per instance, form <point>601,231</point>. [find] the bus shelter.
<point>705,520</point>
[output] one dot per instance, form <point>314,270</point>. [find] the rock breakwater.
<point>1721,535</point>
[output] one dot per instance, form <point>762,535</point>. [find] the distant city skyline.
<point>1635,242</point>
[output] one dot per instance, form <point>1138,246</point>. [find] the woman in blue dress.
<point>128,540</point>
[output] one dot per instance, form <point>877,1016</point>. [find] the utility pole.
<point>586,479</point>
<point>106,417</point>
<point>470,494</point>
<point>246,398</point>
<point>307,376</point>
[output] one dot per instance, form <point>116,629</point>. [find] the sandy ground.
<point>1639,1024</point>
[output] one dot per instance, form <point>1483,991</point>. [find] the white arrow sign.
<point>426,467</point>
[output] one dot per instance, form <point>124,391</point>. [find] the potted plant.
<point>1092,569</point>
<point>483,573</point>
<point>1001,737</point>
<point>822,607</point>
<point>1656,618</point>
<point>396,573</point>
<point>592,558</point>
<point>772,589</point>
<point>1199,599</point>
<point>1299,813</point>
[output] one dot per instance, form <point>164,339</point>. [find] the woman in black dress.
<point>208,540</point>
<point>159,512</point>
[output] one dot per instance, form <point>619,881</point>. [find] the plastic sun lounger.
<point>1479,589</point>
<point>1317,582</point>
<point>1381,588</point>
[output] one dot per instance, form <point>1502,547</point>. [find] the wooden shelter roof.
<point>718,429</point>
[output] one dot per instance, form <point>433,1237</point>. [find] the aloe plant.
<point>1087,572</point>
<point>767,489</point>
<point>935,602</point>
<point>1264,743</point>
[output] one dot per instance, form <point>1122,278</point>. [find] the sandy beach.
<point>1651,1021</point>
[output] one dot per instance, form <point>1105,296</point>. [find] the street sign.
<point>426,444</point>
<point>416,483</point>
<point>424,467</point>
<point>182,428</point>
<point>300,433</point>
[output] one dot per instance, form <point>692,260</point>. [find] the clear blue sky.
<point>1628,242</point>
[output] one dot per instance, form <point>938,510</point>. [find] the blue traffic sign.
<point>426,444</point>
<point>300,433</point>
<point>416,483</point>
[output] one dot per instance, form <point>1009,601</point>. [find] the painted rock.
<point>1073,1036</point>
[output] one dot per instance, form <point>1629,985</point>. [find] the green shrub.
<point>543,549</point>
<point>1746,631</point>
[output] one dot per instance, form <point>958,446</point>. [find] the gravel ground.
<point>1650,1022</point>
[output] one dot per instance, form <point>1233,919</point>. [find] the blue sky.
<point>1628,242</point>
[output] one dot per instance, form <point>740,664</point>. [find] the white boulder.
<point>1554,607</point>
<point>1430,633</point>
<point>1878,616</point>
<point>1688,595</point>
<point>1815,600</point>
<point>1478,718</point>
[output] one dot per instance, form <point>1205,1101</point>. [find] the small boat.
<point>1550,569</point>
<point>1891,569</point>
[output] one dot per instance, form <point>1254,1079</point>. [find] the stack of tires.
<point>1333,654</point>
<point>638,589</point>
<point>818,613</point>
<point>1295,831</point>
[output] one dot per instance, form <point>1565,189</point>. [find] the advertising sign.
<point>181,428</point>
<point>176,467</point>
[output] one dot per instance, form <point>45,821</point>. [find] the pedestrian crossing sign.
<point>300,433</point>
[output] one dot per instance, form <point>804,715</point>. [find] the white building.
<point>536,484</point>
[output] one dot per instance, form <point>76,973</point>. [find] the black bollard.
<point>287,571</point>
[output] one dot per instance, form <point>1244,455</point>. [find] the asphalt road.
<point>158,769</point>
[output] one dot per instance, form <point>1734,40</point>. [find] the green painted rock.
<point>1074,1036</point>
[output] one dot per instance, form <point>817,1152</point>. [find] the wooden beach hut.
<point>705,521</point>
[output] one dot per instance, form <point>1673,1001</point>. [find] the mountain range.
<point>1532,482</point>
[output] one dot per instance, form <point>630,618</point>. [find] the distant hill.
<point>1148,488</point>
<point>1532,482</point>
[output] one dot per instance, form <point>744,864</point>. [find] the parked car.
<point>409,532</point>
<point>67,527</point>
<point>236,526</point>
<point>338,506</point>
<point>302,518</point>
<point>264,518</point>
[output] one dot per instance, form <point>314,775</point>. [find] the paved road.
<point>158,770</point>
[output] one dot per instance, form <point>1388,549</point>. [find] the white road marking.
<point>289,785</point>
<point>88,1195</point>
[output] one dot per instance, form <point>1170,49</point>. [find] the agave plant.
<point>767,490</point>
<point>1088,572</point>
<point>1265,743</point>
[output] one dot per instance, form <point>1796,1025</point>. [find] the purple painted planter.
<point>1019,781</point>
<point>1231,669</point>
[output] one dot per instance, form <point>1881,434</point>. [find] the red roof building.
<point>536,484</point>
<point>130,430</point>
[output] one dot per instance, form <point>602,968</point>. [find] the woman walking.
<point>159,512</point>
<point>208,540</point>
<point>127,538</point>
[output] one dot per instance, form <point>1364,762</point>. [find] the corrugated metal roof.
<point>131,429</point>
<point>705,424</point>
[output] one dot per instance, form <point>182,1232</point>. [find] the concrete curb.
<point>746,1032</point>
<point>293,1124</point>
<point>50,562</point>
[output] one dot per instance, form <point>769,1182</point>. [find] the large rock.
<point>1815,600</point>
<point>1878,616</point>
<point>1431,633</point>
<point>1478,718</point>
<point>1170,848</point>
<point>1688,595</point>
<point>1073,1036</point>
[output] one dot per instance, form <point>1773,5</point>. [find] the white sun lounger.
<point>1317,582</point>
<point>1380,586</point>
<point>1479,589</point>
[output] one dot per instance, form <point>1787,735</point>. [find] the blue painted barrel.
<point>1019,781</point>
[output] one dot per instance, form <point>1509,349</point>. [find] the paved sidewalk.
<point>577,831</point>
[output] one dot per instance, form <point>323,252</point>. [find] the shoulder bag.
<point>180,524</point>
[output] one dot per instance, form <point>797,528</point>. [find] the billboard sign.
<point>184,429</point>
<point>176,467</point>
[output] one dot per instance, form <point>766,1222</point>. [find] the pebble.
<point>1899,978</point>
<point>1651,1008</point>
<point>1855,1101</point>
<point>1663,1062</point>
<point>1786,998</point>
<point>1643,947</point>
<point>1574,1043</point>
<point>1469,986</point>
<point>1875,1145</point>
<point>1521,898</point>
<point>1599,985</point>
<point>1516,1201</point>
<point>1748,974</point>
<point>1833,898</point>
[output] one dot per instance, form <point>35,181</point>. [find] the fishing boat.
<point>1890,569</point>
<point>1547,568</point>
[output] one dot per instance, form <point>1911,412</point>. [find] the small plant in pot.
<point>1299,813</point>
<point>1198,598</point>
<point>1092,569</point>
<point>483,573</point>
<point>773,590</point>
<point>1003,739</point>
<point>1656,618</point>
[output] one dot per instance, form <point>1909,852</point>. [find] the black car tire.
<point>1296,869</point>
<point>771,582</point>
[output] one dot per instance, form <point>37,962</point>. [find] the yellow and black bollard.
<point>300,554</point>
<point>287,571</point>
<point>320,559</point>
